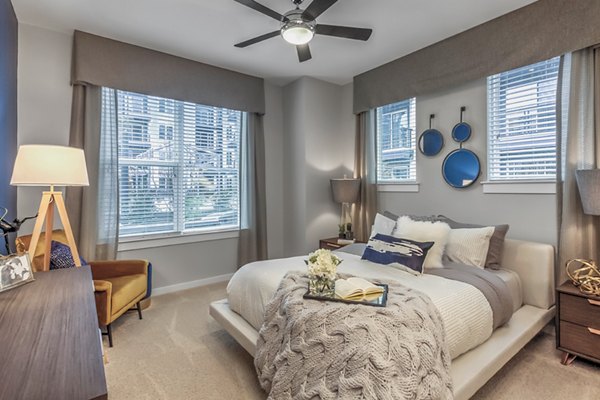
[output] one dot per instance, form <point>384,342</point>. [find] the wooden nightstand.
<point>331,244</point>
<point>577,324</point>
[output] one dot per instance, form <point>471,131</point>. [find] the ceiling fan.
<point>299,26</point>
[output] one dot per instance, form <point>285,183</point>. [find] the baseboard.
<point>190,285</point>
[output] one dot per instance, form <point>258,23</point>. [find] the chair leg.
<point>109,334</point>
<point>139,309</point>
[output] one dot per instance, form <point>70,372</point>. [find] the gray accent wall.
<point>8,108</point>
<point>530,216</point>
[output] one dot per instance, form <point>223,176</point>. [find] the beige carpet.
<point>179,352</point>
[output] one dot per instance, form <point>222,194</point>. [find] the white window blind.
<point>396,142</point>
<point>179,165</point>
<point>522,122</point>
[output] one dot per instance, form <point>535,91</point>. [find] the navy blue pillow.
<point>397,252</point>
<point>61,257</point>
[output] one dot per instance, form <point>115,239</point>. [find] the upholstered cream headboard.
<point>534,262</point>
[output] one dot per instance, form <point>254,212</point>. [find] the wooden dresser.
<point>50,345</point>
<point>578,324</point>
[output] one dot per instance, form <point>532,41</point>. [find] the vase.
<point>320,286</point>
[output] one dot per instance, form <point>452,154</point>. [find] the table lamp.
<point>46,165</point>
<point>346,191</point>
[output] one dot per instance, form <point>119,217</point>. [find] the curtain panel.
<point>252,243</point>
<point>365,169</point>
<point>537,32</point>
<point>579,148</point>
<point>109,63</point>
<point>93,213</point>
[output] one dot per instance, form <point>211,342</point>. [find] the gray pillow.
<point>494,255</point>
<point>421,218</point>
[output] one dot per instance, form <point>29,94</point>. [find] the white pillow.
<point>425,231</point>
<point>383,225</point>
<point>469,246</point>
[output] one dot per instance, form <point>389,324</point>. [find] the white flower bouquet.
<point>322,268</point>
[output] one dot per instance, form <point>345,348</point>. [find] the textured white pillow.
<point>424,231</point>
<point>383,225</point>
<point>469,246</point>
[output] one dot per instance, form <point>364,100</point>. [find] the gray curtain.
<point>579,148</point>
<point>252,244</point>
<point>365,169</point>
<point>93,210</point>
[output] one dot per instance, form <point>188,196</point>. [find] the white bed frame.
<point>533,262</point>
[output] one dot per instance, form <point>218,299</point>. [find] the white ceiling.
<point>206,30</point>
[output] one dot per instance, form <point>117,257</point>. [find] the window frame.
<point>520,184</point>
<point>132,239</point>
<point>397,185</point>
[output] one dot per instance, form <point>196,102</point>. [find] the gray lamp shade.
<point>588,181</point>
<point>345,190</point>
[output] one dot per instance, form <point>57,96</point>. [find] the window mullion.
<point>180,169</point>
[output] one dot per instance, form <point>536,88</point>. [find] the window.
<point>522,123</point>
<point>179,165</point>
<point>396,142</point>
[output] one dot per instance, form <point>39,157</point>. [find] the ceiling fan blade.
<point>316,8</point>
<point>303,52</point>
<point>261,9</point>
<point>258,39</point>
<point>344,32</point>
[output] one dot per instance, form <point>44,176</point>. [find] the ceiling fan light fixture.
<point>297,35</point>
<point>295,30</point>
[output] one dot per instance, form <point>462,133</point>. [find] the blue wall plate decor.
<point>431,142</point>
<point>461,132</point>
<point>461,168</point>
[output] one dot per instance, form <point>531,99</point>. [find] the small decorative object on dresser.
<point>577,324</point>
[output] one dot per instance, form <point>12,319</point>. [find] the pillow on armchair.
<point>61,257</point>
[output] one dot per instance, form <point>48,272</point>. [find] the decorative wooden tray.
<point>380,301</point>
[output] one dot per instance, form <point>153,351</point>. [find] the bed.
<point>528,269</point>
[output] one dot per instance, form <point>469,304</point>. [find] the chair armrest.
<point>103,297</point>
<point>116,268</point>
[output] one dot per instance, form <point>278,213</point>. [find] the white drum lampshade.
<point>47,165</point>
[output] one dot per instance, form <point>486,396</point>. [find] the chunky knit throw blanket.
<point>310,349</point>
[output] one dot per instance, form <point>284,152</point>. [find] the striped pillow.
<point>469,246</point>
<point>404,254</point>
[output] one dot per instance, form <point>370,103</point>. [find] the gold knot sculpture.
<point>585,275</point>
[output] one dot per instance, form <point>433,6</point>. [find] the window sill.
<point>172,239</point>
<point>408,187</point>
<point>516,187</point>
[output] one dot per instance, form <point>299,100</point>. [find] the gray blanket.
<point>310,349</point>
<point>493,288</point>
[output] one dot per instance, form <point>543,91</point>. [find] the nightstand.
<point>577,324</point>
<point>331,244</point>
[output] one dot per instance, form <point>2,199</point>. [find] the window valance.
<point>105,62</point>
<point>539,31</point>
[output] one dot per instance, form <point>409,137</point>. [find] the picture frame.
<point>15,270</point>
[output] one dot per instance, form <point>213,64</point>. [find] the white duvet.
<point>466,314</point>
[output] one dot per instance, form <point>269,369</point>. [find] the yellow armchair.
<point>118,285</point>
